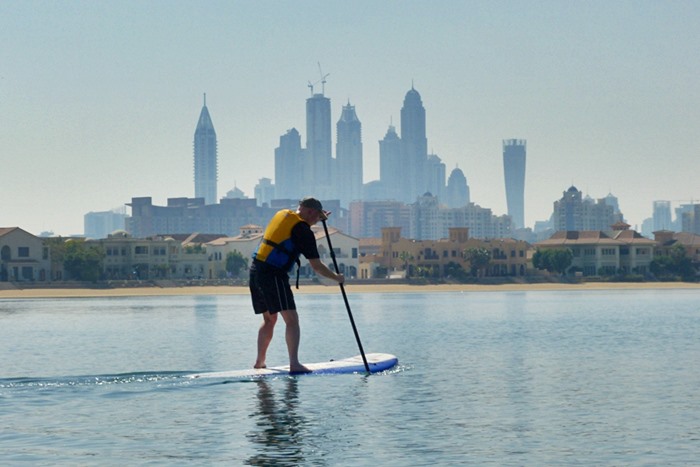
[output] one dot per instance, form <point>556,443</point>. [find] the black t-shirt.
<point>304,240</point>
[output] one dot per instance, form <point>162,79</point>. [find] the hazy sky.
<point>99,100</point>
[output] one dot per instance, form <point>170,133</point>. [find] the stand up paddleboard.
<point>376,361</point>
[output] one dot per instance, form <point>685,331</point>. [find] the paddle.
<point>345,298</point>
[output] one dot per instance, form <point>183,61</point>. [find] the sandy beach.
<point>349,288</point>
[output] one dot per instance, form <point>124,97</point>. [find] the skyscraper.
<point>574,212</point>
<point>457,189</point>
<point>661,216</point>
<point>514,171</point>
<point>205,158</point>
<point>289,167</point>
<point>435,176</point>
<point>318,145</point>
<point>414,146</point>
<point>390,165</point>
<point>348,155</point>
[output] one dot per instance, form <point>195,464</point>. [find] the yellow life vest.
<point>276,247</point>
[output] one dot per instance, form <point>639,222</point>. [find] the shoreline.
<point>349,288</point>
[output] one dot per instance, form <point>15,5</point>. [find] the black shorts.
<point>269,289</point>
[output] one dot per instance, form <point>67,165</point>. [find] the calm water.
<point>487,378</point>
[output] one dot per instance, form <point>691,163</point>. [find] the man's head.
<point>312,211</point>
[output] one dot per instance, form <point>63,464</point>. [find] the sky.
<point>99,100</point>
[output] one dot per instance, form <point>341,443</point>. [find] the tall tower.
<point>289,167</point>
<point>390,165</point>
<point>514,171</point>
<point>414,145</point>
<point>435,176</point>
<point>662,216</point>
<point>318,145</point>
<point>205,158</point>
<point>457,189</point>
<point>348,153</point>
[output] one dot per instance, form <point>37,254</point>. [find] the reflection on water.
<point>279,425</point>
<point>536,378</point>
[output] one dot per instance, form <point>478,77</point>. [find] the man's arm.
<point>322,270</point>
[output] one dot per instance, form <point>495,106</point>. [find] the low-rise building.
<point>346,250</point>
<point>596,252</point>
<point>435,258</point>
<point>153,258</point>
<point>23,256</point>
<point>667,239</point>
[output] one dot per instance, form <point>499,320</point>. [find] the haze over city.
<point>99,100</point>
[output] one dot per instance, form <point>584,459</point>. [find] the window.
<point>141,250</point>
<point>608,251</point>
<point>27,273</point>
<point>23,252</point>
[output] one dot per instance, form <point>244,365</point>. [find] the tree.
<point>235,262</point>
<point>479,259</point>
<point>83,262</point>
<point>553,259</point>
<point>405,256</point>
<point>675,264</point>
<point>455,271</point>
<point>561,260</point>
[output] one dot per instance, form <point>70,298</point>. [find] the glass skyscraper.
<point>514,170</point>
<point>205,158</point>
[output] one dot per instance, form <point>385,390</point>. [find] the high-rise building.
<point>100,224</point>
<point>425,216</point>
<point>391,168</point>
<point>690,218</point>
<point>264,191</point>
<point>289,167</point>
<point>318,146</point>
<point>662,216</point>
<point>414,146</point>
<point>205,158</point>
<point>348,155</point>
<point>435,176</point>
<point>457,190</point>
<point>514,172</point>
<point>367,218</point>
<point>573,212</point>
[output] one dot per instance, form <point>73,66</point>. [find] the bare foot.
<point>258,366</point>
<point>298,370</point>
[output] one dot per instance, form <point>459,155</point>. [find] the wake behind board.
<point>376,362</point>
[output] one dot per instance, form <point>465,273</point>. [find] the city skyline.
<point>95,113</point>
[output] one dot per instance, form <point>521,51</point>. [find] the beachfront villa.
<point>596,252</point>
<point>23,256</point>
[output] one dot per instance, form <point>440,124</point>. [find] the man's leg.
<point>293,336</point>
<point>265,332</point>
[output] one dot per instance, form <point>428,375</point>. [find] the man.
<point>286,237</point>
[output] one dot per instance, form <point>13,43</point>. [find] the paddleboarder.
<point>287,236</point>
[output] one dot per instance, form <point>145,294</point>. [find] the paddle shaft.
<point>345,298</point>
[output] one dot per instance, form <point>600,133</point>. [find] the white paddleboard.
<point>376,362</point>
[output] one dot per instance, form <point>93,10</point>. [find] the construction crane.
<point>322,81</point>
